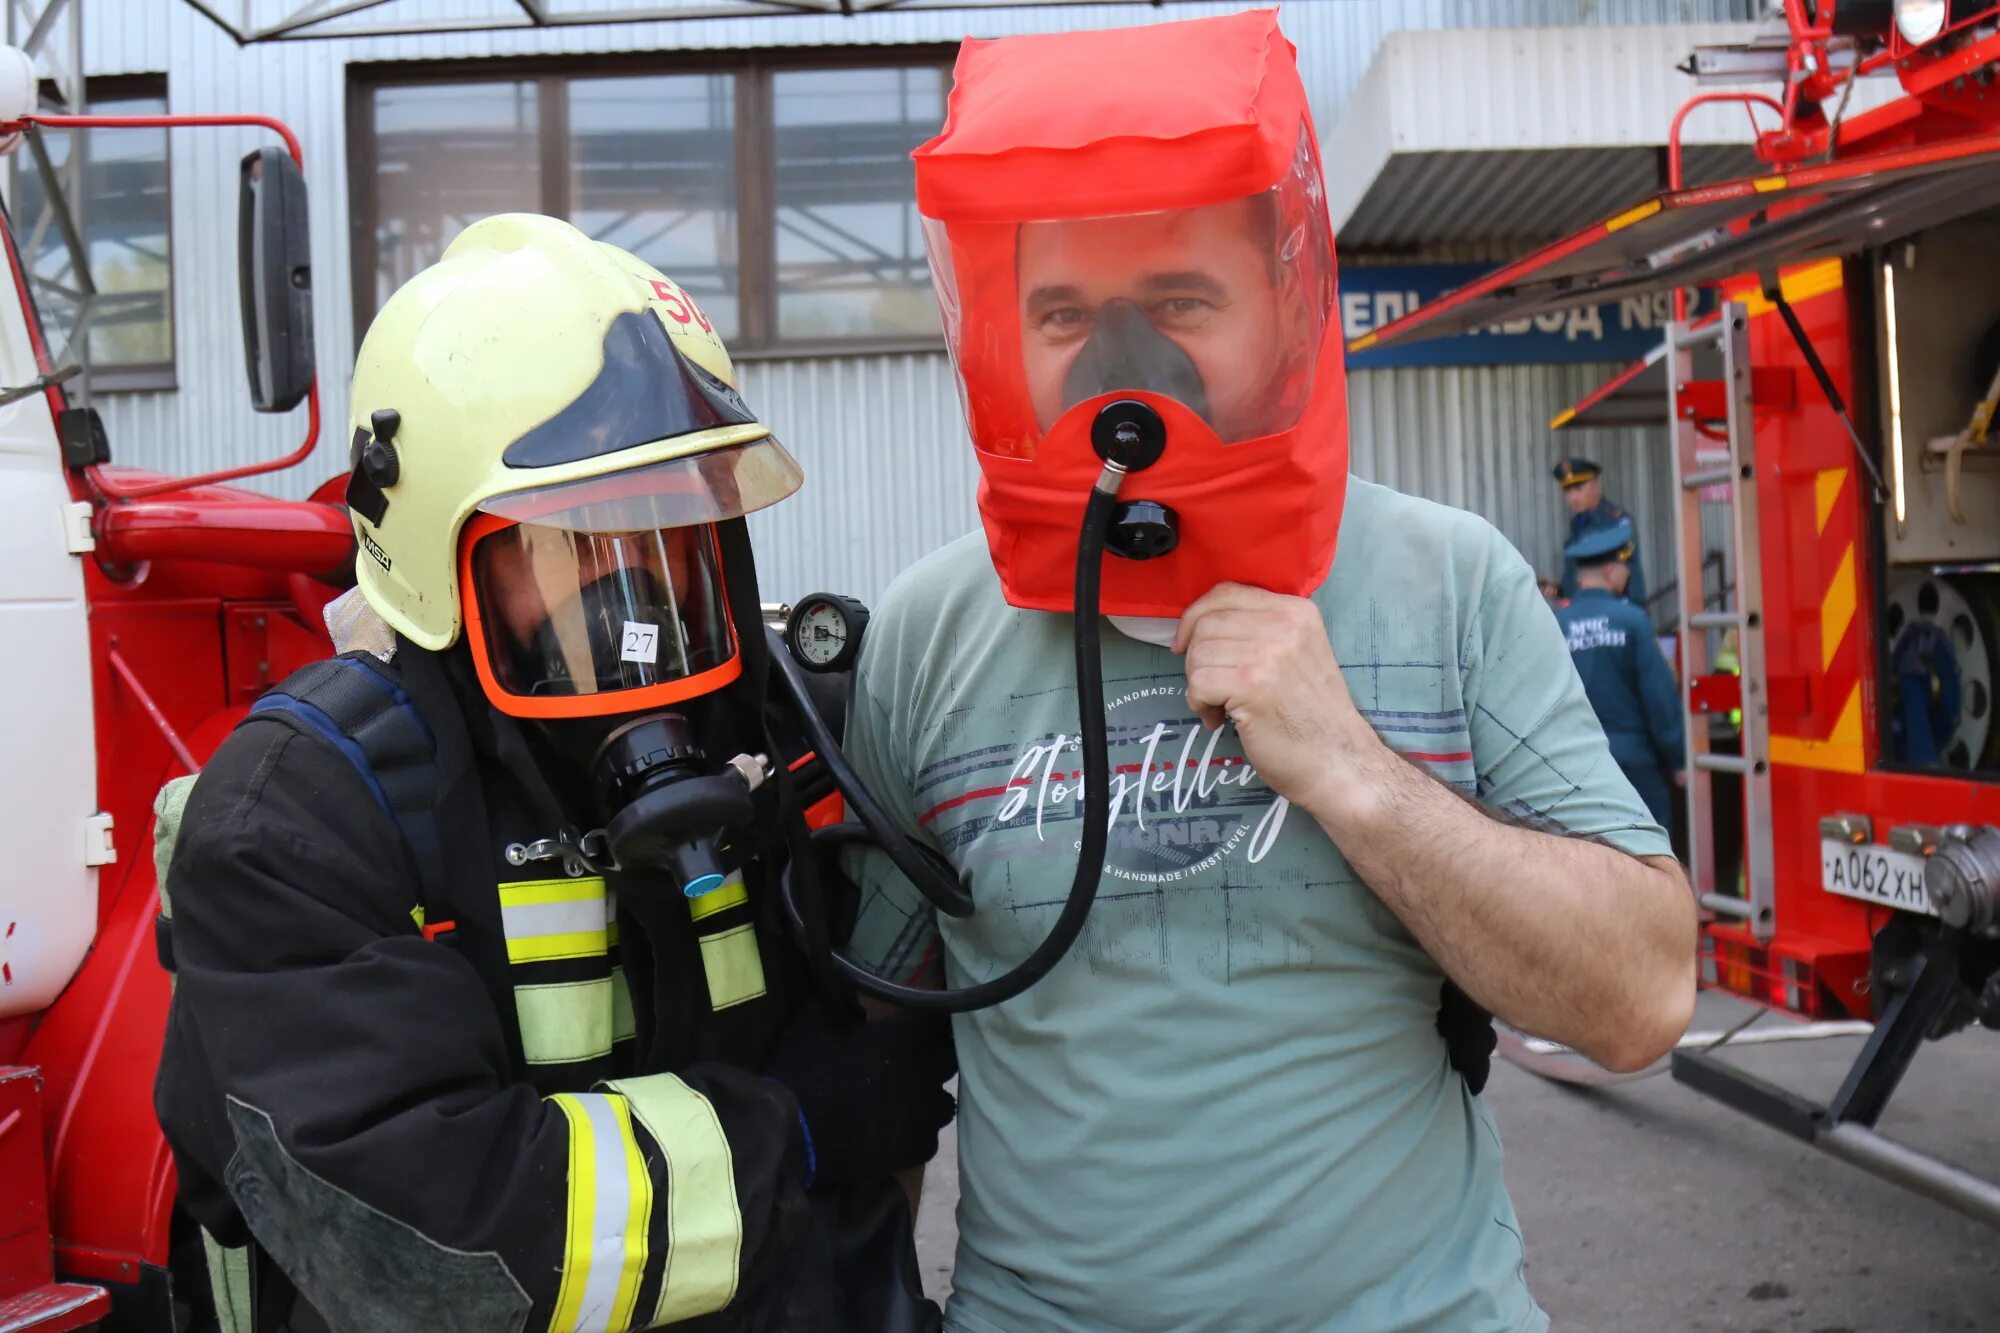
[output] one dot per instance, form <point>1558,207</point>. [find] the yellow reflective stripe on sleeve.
<point>734,967</point>
<point>544,948</point>
<point>610,1215</point>
<point>730,893</point>
<point>563,1022</point>
<point>704,1222</point>
<point>623,1024</point>
<point>554,918</point>
<point>638,1223</point>
<point>537,892</point>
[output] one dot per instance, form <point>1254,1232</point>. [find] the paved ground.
<point>1649,1209</point>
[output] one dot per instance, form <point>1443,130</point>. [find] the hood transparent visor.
<point>1222,308</point>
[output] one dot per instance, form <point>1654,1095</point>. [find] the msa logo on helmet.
<point>381,556</point>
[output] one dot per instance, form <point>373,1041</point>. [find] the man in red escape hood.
<point>1358,795</point>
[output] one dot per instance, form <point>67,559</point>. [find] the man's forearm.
<point>1565,938</point>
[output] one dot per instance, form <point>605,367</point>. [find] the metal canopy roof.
<point>253,21</point>
<point>1515,194</point>
<point>1686,238</point>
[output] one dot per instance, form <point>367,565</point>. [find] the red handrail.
<point>103,484</point>
<point>116,491</point>
<point>1675,179</point>
<point>162,122</point>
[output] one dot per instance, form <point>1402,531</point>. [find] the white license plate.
<point>1874,874</point>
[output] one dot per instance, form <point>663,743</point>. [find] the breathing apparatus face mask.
<point>608,640</point>
<point>603,614</point>
<point>608,595</point>
<point>579,624</point>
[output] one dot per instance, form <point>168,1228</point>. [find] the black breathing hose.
<point>881,831</point>
<point>932,874</point>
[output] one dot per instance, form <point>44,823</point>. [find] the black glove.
<point>871,1094</point>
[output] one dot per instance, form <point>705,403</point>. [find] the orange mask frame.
<point>608,704</point>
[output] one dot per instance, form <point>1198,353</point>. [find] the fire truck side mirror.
<point>274,266</point>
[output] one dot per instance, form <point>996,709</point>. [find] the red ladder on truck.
<point>1726,338</point>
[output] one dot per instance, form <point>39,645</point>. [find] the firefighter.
<point>1582,483</point>
<point>484,1017</point>
<point>1626,676</point>
<point>1344,740</point>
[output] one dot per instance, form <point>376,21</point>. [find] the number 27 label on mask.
<point>640,644</point>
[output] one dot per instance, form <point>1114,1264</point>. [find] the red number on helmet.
<point>676,304</point>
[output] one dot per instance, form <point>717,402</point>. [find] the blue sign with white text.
<point>1371,298</point>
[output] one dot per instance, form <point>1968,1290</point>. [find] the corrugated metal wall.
<point>881,436</point>
<point>1478,438</point>
<point>889,472</point>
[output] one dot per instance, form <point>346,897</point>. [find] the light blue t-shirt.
<point>1228,1110</point>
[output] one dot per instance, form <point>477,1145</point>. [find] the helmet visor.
<point>708,487</point>
<point>1221,307</point>
<point>567,623</point>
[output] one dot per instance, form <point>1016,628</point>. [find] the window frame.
<point>136,376</point>
<point>755,163</point>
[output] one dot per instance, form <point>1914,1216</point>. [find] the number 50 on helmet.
<point>546,431</point>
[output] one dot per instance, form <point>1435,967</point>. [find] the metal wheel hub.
<point>1941,668</point>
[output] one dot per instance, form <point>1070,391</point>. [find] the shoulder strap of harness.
<point>357,704</point>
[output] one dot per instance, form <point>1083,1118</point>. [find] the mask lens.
<point>568,613</point>
<point>1222,307</point>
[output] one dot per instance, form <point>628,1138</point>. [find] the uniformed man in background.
<point>1583,491</point>
<point>1624,673</point>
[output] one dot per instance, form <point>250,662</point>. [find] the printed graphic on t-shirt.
<point>1184,800</point>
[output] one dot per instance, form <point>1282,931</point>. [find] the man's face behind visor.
<point>1196,304</point>
<point>570,624</point>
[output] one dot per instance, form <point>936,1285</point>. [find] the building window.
<point>652,170</point>
<point>126,234</point>
<point>777,189</point>
<point>450,154</point>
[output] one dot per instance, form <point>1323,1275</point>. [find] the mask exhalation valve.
<point>1143,530</point>
<point>670,815</point>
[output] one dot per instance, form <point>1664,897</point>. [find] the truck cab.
<point>142,615</point>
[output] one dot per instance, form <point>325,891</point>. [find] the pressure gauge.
<point>824,633</point>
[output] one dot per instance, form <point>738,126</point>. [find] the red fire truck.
<point>1833,446</point>
<point>139,616</point>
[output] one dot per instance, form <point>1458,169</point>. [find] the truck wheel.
<point>1940,685</point>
